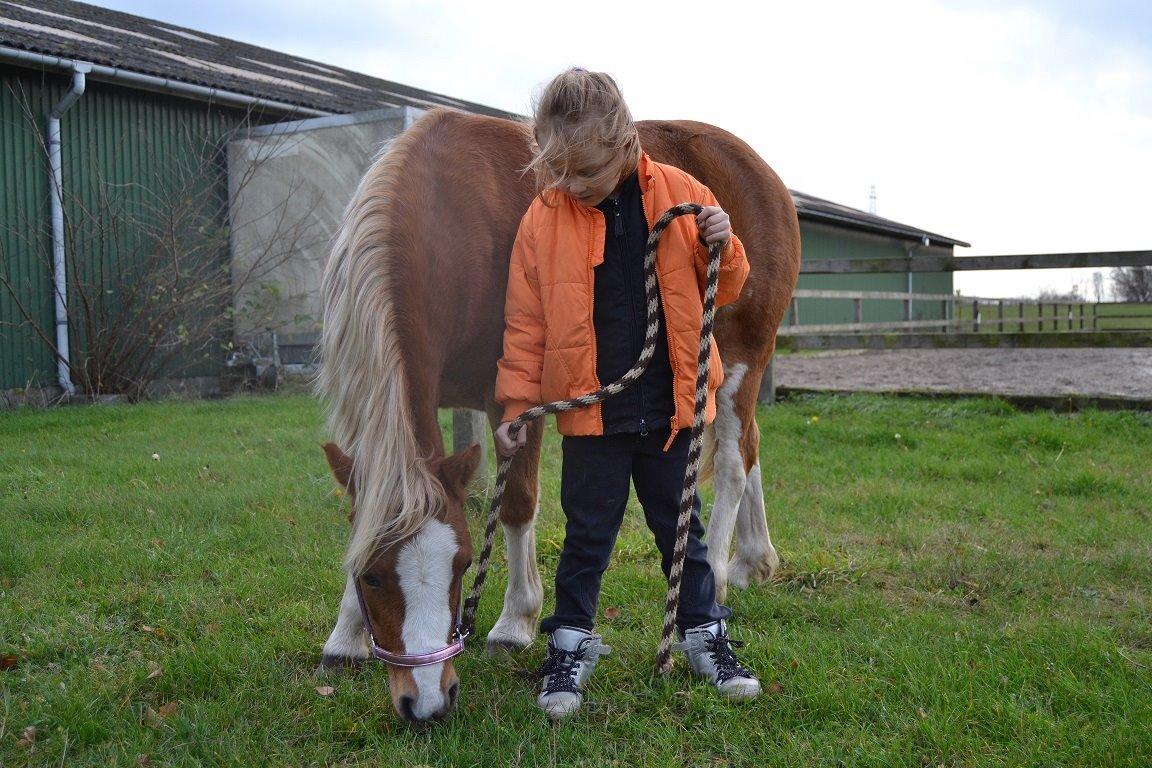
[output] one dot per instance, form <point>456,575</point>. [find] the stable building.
<point>146,165</point>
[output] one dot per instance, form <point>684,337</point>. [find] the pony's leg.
<point>755,558</point>
<point>523,597</point>
<point>348,644</point>
<point>729,478</point>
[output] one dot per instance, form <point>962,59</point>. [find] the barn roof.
<point>818,209</point>
<point>102,36</point>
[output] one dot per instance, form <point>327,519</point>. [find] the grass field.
<point>962,585</point>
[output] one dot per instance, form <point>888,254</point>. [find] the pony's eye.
<point>370,580</point>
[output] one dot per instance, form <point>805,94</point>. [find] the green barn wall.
<point>124,154</point>
<point>823,241</point>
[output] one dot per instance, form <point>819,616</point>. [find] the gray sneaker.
<point>572,655</point>
<point>709,652</point>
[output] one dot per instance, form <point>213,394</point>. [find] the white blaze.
<point>424,570</point>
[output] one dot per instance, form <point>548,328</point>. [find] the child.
<point>575,319</point>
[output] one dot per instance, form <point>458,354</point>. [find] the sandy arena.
<point>1108,373</point>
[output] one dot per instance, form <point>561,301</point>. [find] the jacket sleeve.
<point>733,261</point>
<point>518,371</point>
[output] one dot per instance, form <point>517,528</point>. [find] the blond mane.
<point>362,376</point>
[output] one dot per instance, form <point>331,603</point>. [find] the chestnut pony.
<point>413,320</point>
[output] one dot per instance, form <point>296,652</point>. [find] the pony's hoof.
<point>331,663</point>
<point>743,573</point>
<point>504,646</point>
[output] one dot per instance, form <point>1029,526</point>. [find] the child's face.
<point>591,175</point>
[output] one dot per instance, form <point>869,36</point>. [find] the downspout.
<point>56,197</point>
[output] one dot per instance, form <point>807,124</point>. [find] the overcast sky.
<point>1019,127</point>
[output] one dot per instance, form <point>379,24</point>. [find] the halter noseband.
<point>409,660</point>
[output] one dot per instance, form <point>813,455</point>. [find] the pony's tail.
<point>708,456</point>
<point>362,376</point>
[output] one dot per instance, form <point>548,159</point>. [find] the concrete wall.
<point>289,184</point>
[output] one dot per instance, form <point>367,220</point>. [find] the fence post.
<point>976,316</point>
<point>1095,316</point>
<point>767,395</point>
<point>859,310</point>
<point>795,318</point>
<point>1020,313</point>
<point>1000,316</point>
<point>470,427</point>
<point>1039,316</point>
<point>944,315</point>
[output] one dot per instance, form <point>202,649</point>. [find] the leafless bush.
<point>151,284</point>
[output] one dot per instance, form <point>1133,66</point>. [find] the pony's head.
<point>411,588</point>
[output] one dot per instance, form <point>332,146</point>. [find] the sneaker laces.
<point>559,669</point>
<point>727,665</point>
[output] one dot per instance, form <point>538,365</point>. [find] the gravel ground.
<point>1034,372</point>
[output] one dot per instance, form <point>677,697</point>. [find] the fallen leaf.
<point>208,576</point>
<point>155,673</point>
<point>158,543</point>
<point>9,661</point>
<point>5,583</point>
<point>920,711</point>
<point>325,690</point>
<point>155,457</point>
<point>169,709</point>
<point>156,632</point>
<point>211,629</point>
<point>775,689</point>
<point>611,613</point>
<point>144,760</point>
<point>27,737</point>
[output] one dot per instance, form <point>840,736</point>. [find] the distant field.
<point>962,585</point>
<point>1107,317</point>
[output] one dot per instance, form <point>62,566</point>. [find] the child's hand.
<point>713,224</point>
<point>505,446</point>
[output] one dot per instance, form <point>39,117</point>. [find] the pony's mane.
<point>362,373</point>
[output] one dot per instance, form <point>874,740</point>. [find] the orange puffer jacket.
<point>549,340</point>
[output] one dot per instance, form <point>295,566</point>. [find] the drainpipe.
<point>59,263</point>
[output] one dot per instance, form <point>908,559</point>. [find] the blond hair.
<point>581,115</point>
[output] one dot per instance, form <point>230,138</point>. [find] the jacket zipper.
<point>671,349</point>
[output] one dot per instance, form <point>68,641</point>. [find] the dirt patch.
<point>1125,373</point>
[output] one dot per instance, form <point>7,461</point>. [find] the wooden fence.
<point>995,322</point>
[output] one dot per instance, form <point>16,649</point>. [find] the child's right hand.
<point>505,445</point>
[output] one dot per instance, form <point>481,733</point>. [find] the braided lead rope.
<point>468,620</point>
<point>692,471</point>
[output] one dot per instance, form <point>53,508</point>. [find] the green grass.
<point>963,585</point>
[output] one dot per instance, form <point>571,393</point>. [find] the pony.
<point>413,296</point>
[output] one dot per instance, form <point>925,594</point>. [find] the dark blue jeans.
<point>594,490</point>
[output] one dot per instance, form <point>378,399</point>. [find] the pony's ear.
<point>341,465</point>
<point>455,472</point>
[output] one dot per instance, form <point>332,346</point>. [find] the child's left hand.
<point>713,224</point>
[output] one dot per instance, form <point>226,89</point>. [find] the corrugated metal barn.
<point>145,187</point>
<point>143,156</point>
